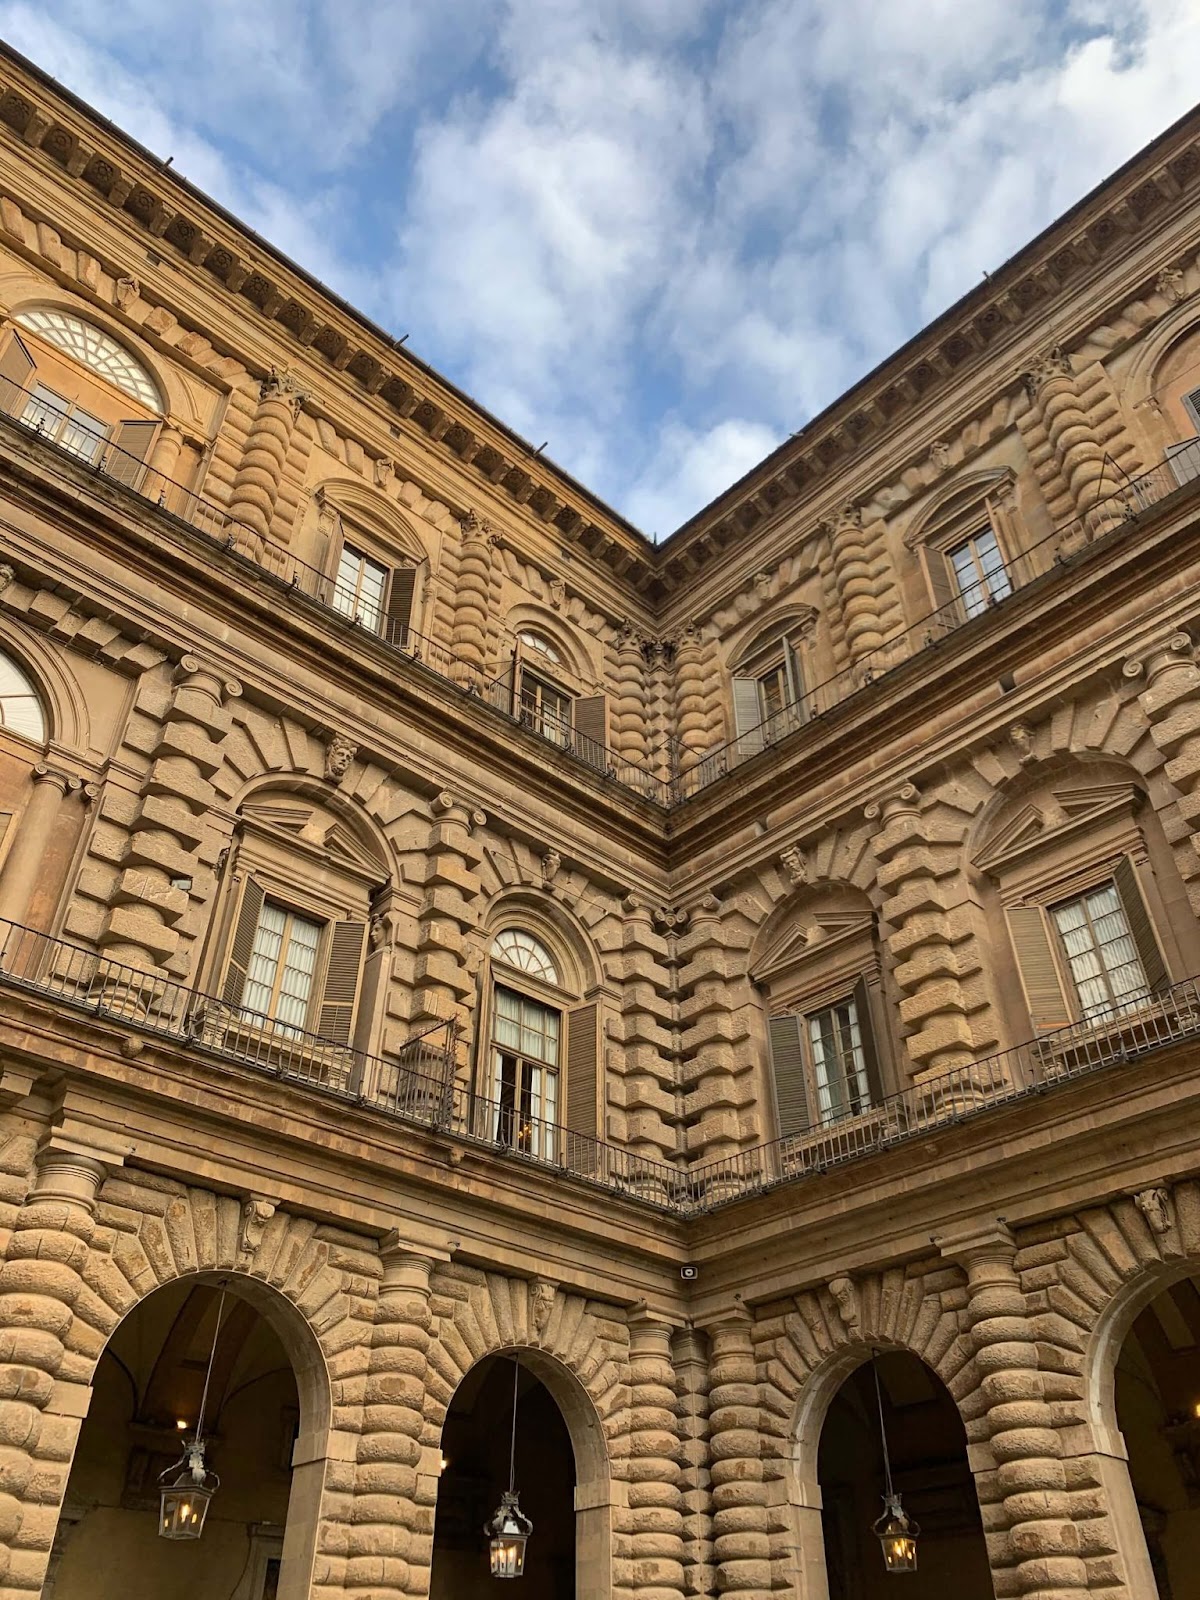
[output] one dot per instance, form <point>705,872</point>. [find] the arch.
<point>822,895</point>
<point>91,346</point>
<point>62,701</point>
<point>1153,349</point>
<point>518,949</point>
<point>348,810</point>
<point>570,944</point>
<point>527,617</point>
<point>959,495</point>
<point>21,709</point>
<point>373,510</point>
<point>760,633</point>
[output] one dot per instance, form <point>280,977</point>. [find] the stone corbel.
<point>257,1211</point>
<point>845,1295</point>
<point>339,753</point>
<point>794,865</point>
<point>542,1292</point>
<point>1155,1205</point>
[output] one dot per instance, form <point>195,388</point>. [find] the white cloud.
<point>660,233</point>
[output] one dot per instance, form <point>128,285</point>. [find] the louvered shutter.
<point>1140,926</point>
<point>16,366</point>
<point>787,1064</point>
<point>747,716</point>
<point>343,973</point>
<point>400,603</point>
<point>591,730</point>
<point>504,690</point>
<point>866,1036</point>
<point>126,459</point>
<point>242,943</point>
<point>1039,974</point>
<point>582,1064</point>
<point>795,682</point>
<point>941,582</point>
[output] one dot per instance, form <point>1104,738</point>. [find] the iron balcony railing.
<point>89,448</point>
<point>1107,1038</point>
<point>691,772</point>
<point>1109,518</point>
<point>418,1083</point>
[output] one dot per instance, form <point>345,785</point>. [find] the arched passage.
<point>1144,1389</point>
<point>840,1479</point>
<point>269,1392</point>
<point>561,1476</point>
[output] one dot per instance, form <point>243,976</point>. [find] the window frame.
<point>340,530</point>
<point>956,520</point>
<point>315,978</point>
<point>550,997</point>
<point>982,582</point>
<point>780,651</point>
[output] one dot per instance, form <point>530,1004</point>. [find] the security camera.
<point>689,1273</point>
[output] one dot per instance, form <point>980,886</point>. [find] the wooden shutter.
<point>787,1064</point>
<point>591,730</point>
<point>866,1035</point>
<point>131,445</point>
<point>1137,915</point>
<point>242,943</point>
<point>400,603</point>
<point>505,686</point>
<point>747,716</point>
<point>941,580</point>
<point>795,683</point>
<point>343,972</point>
<point>582,1064</point>
<point>16,366</point>
<point>1039,973</point>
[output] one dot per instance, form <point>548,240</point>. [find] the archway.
<point>1156,1394</point>
<point>928,1450</point>
<point>561,1474</point>
<point>268,1391</point>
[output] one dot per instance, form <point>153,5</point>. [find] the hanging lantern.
<point>897,1533</point>
<point>509,1530</point>
<point>184,1501</point>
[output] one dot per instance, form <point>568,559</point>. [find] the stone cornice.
<point>300,316</point>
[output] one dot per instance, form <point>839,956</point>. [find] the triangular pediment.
<point>1055,818</point>
<point>808,932</point>
<point>314,829</point>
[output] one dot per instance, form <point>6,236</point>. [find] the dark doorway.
<point>928,1447</point>
<point>475,1450</point>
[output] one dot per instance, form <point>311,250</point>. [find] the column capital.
<point>70,1175</point>
<point>407,1266</point>
<point>978,1245</point>
<point>55,777</point>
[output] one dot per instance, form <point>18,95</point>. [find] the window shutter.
<point>131,443</point>
<point>1140,926</point>
<point>16,365</point>
<point>582,1061</point>
<point>866,1034</point>
<point>1039,973</point>
<point>591,730</point>
<point>787,1064</point>
<point>1191,404</point>
<point>505,686</point>
<point>941,580</point>
<point>242,943</point>
<point>747,716</point>
<point>795,682</point>
<point>343,971</point>
<point>400,603</point>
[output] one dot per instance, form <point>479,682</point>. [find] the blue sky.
<point>659,234</point>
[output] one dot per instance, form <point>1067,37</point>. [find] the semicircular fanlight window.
<point>521,950</point>
<point>94,348</point>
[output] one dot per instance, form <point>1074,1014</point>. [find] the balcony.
<point>421,1084</point>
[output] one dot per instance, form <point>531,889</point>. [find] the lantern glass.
<point>184,1508</point>
<point>897,1534</point>
<point>508,1533</point>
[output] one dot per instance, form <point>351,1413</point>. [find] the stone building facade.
<point>701,981</point>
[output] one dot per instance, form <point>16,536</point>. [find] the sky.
<point>659,235</point>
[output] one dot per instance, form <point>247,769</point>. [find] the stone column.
<point>45,1375</point>
<point>654,1518</point>
<point>471,602</point>
<point>646,1083</point>
<point>442,985</point>
<point>1076,451</point>
<point>864,584</point>
<point>691,709</point>
<point>165,835</point>
<point>630,730</point>
<point>741,1518</point>
<point>718,1068</point>
<point>256,487</point>
<point>918,872</point>
<point>390,1547</point>
<point>690,1355</point>
<point>34,831</point>
<point>164,459</point>
<point>1033,1545</point>
<point>1167,681</point>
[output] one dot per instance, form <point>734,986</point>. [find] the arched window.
<point>540,644</point>
<point>535,1037</point>
<point>20,709</point>
<point>768,685</point>
<point>543,702</point>
<point>74,384</point>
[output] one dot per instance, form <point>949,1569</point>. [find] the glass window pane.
<point>519,949</point>
<point>1102,956</point>
<point>94,348</point>
<point>20,708</point>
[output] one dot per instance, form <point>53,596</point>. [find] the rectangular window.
<point>283,963</point>
<point>546,709</point>
<point>525,1058</point>
<point>68,425</point>
<point>979,573</point>
<point>1102,954</point>
<point>773,692</point>
<point>359,588</point>
<point>839,1061</point>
